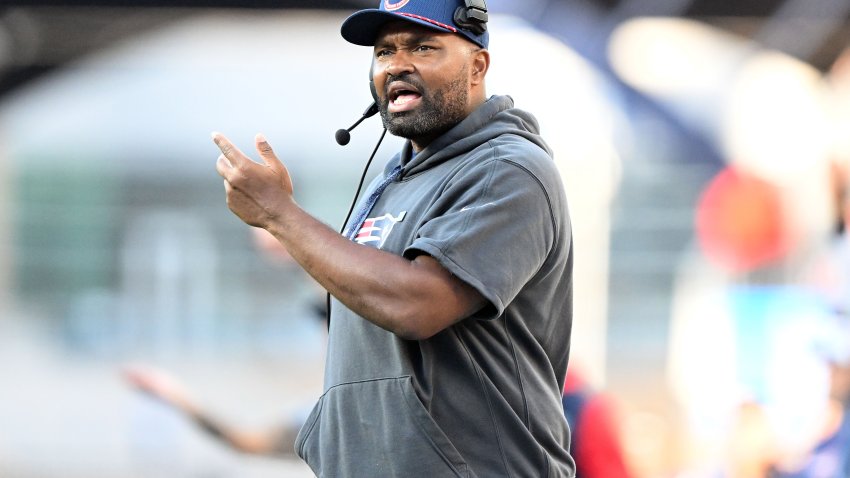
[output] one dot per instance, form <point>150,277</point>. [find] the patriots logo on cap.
<point>392,6</point>
<point>376,230</point>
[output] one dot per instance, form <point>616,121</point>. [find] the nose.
<point>398,64</point>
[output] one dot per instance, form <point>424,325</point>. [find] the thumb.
<point>266,152</point>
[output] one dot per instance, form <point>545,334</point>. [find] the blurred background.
<point>704,145</point>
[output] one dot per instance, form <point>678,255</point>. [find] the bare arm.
<point>277,440</point>
<point>414,299</point>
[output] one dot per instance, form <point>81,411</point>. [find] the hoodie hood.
<point>496,117</point>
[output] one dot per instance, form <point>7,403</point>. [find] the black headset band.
<point>473,16</point>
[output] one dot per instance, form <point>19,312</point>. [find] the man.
<point>452,289</point>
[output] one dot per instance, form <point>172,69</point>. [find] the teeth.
<point>405,97</point>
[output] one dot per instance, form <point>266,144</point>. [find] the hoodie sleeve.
<point>492,227</point>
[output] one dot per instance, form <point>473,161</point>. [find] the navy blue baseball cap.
<point>466,18</point>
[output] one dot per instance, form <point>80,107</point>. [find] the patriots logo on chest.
<point>376,230</point>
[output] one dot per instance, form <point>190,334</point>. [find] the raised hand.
<point>257,193</point>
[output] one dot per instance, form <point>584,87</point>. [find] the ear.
<point>479,66</point>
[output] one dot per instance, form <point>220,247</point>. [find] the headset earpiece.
<point>372,88</point>
<point>473,16</point>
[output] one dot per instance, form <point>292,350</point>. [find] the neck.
<point>422,142</point>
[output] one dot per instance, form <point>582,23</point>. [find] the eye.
<point>382,53</point>
<point>423,48</point>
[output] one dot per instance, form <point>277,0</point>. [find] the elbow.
<point>417,320</point>
<point>415,325</point>
<point>409,335</point>
<point>413,331</point>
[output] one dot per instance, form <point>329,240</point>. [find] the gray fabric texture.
<point>483,397</point>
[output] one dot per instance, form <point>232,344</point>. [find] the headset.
<point>473,16</point>
<point>372,88</point>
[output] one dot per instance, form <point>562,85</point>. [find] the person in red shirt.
<point>595,443</point>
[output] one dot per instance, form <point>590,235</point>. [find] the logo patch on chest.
<point>376,230</point>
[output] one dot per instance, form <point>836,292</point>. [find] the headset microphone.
<point>342,135</point>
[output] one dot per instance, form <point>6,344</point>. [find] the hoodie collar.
<point>493,118</point>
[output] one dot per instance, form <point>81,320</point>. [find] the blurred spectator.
<point>829,278</point>
<point>595,444</point>
<point>830,274</point>
<point>757,447</point>
<point>278,440</point>
<point>830,456</point>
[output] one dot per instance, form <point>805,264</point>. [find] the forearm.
<point>405,297</point>
<point>413,299</point>
<point>269,442</point>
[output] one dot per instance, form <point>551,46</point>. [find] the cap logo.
<point>392,6</point>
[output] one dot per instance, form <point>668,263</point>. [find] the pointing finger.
<point>231,152</point>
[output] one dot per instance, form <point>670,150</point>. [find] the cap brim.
<point>362,27</point>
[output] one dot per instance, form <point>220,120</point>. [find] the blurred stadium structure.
<point>115,244</point>
<point>40,35</point>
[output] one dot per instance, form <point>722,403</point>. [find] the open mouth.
<point>402,94</point>
<point>403,97</point>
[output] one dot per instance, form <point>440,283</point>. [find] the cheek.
<point>447,76</point>
<point>434,81</point>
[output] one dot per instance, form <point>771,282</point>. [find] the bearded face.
<point>425,81</point>
<point>438,110</point>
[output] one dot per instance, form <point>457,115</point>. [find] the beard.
<point>438,112</point>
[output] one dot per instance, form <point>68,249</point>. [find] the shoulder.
<point>517,150</point>
<point>515,169</point>
<point>529,162</point>
<point>509,159</point>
